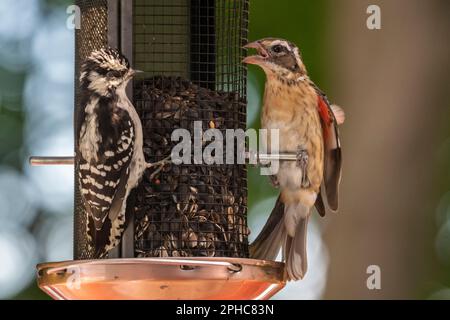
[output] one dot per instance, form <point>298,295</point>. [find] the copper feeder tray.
<point>162,279</point>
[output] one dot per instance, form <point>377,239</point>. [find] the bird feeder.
<point>187,236</point>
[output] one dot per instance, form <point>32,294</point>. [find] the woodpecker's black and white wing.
<point>104,172</point>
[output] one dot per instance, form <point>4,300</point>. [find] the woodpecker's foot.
<point>302,163</point>
<point>274,181</point>
<point>158,165</point>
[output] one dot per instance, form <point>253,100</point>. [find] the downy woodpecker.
<point>109,155</point>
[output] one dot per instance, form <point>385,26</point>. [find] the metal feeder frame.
<point>122,276</point>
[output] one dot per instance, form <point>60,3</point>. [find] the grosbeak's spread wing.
<point>333,155</point>
<point>338,113</point>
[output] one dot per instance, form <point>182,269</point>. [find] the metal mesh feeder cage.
<point>187,234</point>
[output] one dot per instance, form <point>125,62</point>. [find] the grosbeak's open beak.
<point>259,58</point>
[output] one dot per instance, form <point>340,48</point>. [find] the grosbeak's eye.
<point>277,48</point>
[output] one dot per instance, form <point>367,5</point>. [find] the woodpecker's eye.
<point>277,48</point>
<point>113,74</point>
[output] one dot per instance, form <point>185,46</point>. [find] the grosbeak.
<point>307,126</point>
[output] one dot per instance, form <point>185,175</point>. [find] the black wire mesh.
<point>191,52</point>
<point>92,36</point>
<point>161,37</point>
<point>189,209</point>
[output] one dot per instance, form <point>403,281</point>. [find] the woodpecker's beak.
<point>260,57</point>
<point>135,72</point>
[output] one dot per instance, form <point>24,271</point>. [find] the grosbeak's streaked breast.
<point>307,126</point>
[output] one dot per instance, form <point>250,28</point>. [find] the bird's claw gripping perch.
<point>274,181</point>
<point>160,165</point>
<point>302,163</point>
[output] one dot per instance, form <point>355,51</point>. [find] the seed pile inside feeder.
<point>189,210</point>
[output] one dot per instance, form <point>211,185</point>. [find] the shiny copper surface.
<point>162,278</point>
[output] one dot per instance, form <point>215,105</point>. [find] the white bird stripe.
<point>125,138</point>
<point>94,203</point>
<point>94,170</point>
<point>111,183</point>
<point>125,145</point>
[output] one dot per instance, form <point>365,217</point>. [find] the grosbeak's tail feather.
<point>295,252</point>
<point>296,222</point>
<point>320,207</point>
<point>269,249</point>
<point>285,228</point>
<point>269,241</point>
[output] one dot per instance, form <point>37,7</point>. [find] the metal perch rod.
<point>51,161</point>
<point>270,156</point>
<point>68,161</point>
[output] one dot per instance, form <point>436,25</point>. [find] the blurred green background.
<point>393,84</point>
